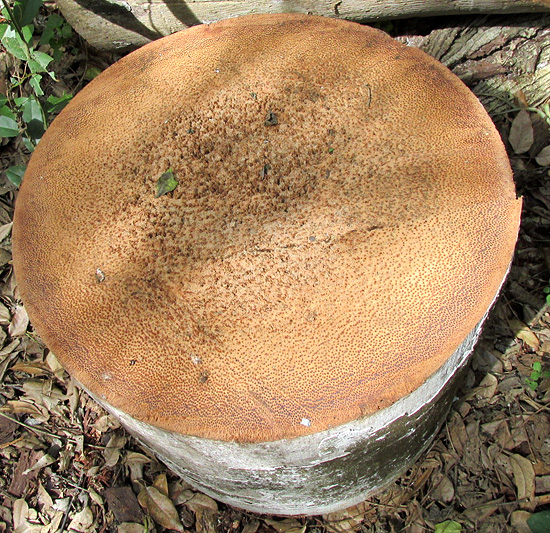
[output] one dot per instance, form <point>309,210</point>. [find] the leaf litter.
<point>66,465</point>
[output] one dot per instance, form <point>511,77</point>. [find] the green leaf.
<point>5,111</point>
<point>15,174</point>
<point>66,31</point>
<point>13,43</point>
<point>28,32</point>
<point>3,99</point>
<point>42,59</point>
<point>8,127</point>
<point>92,72</point>
<point>166,183</point>
<point>537,366</point>
<point>539,522</point>
<point>56,32</point>
<point>449,526</point>
<point>34,117</point>
<point>34,82</point>
<point>54,104</point>
<point>28,144</point>
<point>53,24</point>
<point>23,11</point>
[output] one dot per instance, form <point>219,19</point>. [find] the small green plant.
<point>25,110</point>
<point>546,291</point>
<point>536,375</point>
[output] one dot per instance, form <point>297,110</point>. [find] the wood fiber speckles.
<point>317,473</point>
<point>340,224</point>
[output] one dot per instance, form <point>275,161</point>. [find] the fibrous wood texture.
<point>499,58</point>
<point>126,24</point>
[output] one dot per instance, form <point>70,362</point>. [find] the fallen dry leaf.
<point>19,322</point>
<point>487,387</point>
<point>130,527</point>
<point>21,516</point>
<point>5,230</point>
<point>113,448</point>
<point>444,491</point>
<point>524,479</point>
<point>44,497</point>
<point>288,525</point>
<point>251,527</point>
<point>518,520</point>
<point>135,461</point>
<point>523,332</point>
<point>43,462</point>
<point>20,407</point>
<point>543,158</point>
<point>206,521</point>
<point>83,521</point>
<point>542,484</point>
<point>201,501</point>
<point>161,484</point>
<point>161,508</point>
<point>5,315</point>
<point>521,134</point>
<point>123,504</point>
<point>348,519</point>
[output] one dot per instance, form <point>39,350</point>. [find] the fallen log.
<point>128,24</point>
<point>500,58</point>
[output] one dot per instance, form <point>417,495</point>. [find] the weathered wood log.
<point>127,24</point>
<point>498,57</point>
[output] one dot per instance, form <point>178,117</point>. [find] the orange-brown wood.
<point>344,217</point>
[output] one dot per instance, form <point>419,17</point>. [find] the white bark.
<point>318,473</point>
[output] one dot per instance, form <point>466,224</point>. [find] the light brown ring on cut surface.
<point>303,273</point>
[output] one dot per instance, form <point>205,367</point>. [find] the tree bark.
<point>500,58</point>
<point>127,24</point>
